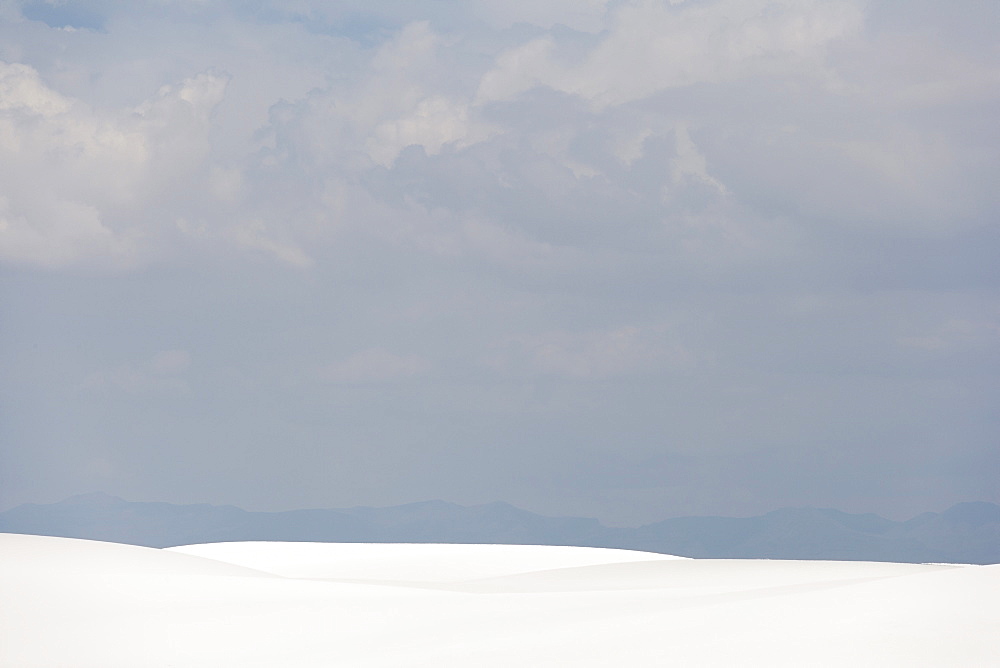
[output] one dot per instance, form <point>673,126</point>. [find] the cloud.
<point>652,46</point>
<point>955,335</point>
<point>375,365</point>
<point>76,180</point>
<point>545,232</point>
<point>162,374</point>
<point>595,355</point>
<point>433,123</point>
<point>168,362</point>
<point>673,123</point>
<point>583,15</point>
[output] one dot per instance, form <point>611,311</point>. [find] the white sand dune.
<point>74,603</point>
<point>409,562</point>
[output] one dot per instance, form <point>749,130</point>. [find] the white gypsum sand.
<point>66,602</point>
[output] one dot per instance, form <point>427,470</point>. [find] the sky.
<point>624,259</point>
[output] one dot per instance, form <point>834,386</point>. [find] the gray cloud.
<point>627,259</point>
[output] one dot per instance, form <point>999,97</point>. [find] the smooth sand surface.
<point>75,603</point>
<point>423,562</point>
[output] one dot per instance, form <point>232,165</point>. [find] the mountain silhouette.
<point>965,533</point>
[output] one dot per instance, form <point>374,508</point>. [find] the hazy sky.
<point>624,259</point>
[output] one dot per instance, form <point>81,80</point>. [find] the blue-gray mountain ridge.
<point>965,533</point>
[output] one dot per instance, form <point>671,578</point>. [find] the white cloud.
<point>652,47</point>
<point>58,233</point>
<point>401,100</point>
<point>517,70</point>
<point>252,234</point>
<point>434,122</point>
<point>162,374</point>
<point>592,355</point>
<point>21,90</point>
<point>226,184</point>
<point>375,365</point>
<point>585,15</point>
<point>168,362</point>
<point>570,122</point>
<point>955,335</point>
<point>690,163</point>
<point>83,185</point>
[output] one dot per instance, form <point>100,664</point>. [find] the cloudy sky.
<point>629,259</point>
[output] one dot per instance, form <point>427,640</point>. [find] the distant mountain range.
<point>965,533</point>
